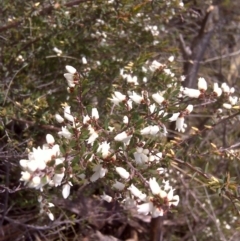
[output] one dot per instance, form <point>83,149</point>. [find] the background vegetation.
<point>110,35</point>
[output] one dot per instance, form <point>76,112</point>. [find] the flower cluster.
<point>117,152</point>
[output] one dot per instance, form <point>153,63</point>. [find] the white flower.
<point>67,114</point>
<point>155,65</point>
<point>95,114</point>
<point>150,130</point>
<point>117,97</point>
<point>57,179</point>
<point>66,190</point>
<point>227,106</point>
<point>122,172</point>
<point>156,212</point>
<point>84,60</point>
<point>145,208</point>
<point>225,88</point>
<point>137,193</point>
<point>169,72</point>
<point>119,185</point>
<point>93,135</point>
<point>65,133</point>
<point>154,186</point>
<point>233,100</point>
<point>99,172</point>
<point>59,118</point>
<point>202,84</point>
<point>125,120</point>
<point>123,137</point>
<point>70,80</point>
<point>152,108</point>
<point>180,124</point>
<point>32,165</point>
<point>50,215</point>
<point>189,109</point>
<point>106,197</point>
<point>158,98</point>
<point>104,149</point>
<point>57,51</point>
<point>86,119</point>
<point>174,117</point>
<point>36,182</point>
<point>171,58</point>
<point>70,69</point>
<point>161,170</point>
<point>192,93</point>
<point>157,157</point>
<point>140,157</point>
<point>25,176</point>
<point>131,79</point>
<point>136,98</point>
<point>50,139</point>
<point>217,90</point>
<point>173,200</point>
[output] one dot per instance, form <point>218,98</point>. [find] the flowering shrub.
<point>127,147</point>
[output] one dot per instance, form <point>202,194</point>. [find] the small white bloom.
<point>93,135</point>
<point>100,172</point>
<point>136,98</point>
<point>150,130</point>
<point>152,108</point>
<point>32,165</point>
<point>171,58</point>
<point>122,172</point>
<point>123,137</point>
<point>25,176</point>
<point>137,193</point>
<point>174,117</point>
<point>86,119</point>
<point>65,133</point>
<point>125,120</point>
<point>233,100</point>
<point>161,170</point>
<point>50,139</point>
<point>225,88</point>
<point>158,98</point>
<point>140,157</point>
<point>202,84</point>
<point>189,109</point>
<point>59,118</point>
<point>57,51</point>
<point>57,179</point>
<point>50,215</point>
<point>192,93</point>
<point>104,149</point>
<point>66,190</point>
<point>117,97</point>
<point>145,208</point>
<point>24,163</point>
<point>106,197</point>
<point>119,185</point>
<point>67,114</point>
<point>84,60</point>
<point>70,80</point>
<point>180,124</point>
<point>227,106</point>
<point>129,104</point>
<point>217,90</point>
<point>155,188</point>
<point>95,114</point>
<point>70,69</point>
<point>155,65</point>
